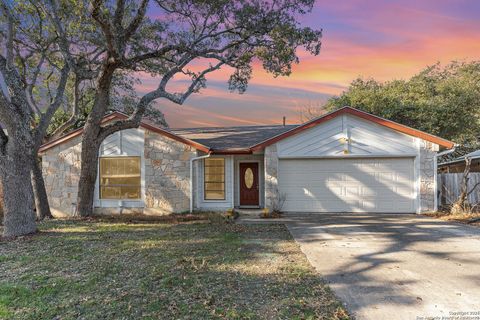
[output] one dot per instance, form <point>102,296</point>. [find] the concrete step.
<point>249,212</point>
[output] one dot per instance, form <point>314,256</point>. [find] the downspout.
<point>435,172</point>
<point>232,184</point>
<point>191,177</point>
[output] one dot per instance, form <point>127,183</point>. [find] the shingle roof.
<point>232,138</point>
<point>458,156</point>
<point>248,139</point>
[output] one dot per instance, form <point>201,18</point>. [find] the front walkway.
<point>386,266</point>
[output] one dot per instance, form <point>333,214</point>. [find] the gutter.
<point>435,173</point>
<point>191,176</point>
<point>439,154</point>
<point>459,160</point>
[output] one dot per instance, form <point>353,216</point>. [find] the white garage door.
<point>347,185</point>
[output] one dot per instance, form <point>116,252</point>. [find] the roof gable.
<point>121,116</point>
<point>347,135</point>
<point>361,114</point>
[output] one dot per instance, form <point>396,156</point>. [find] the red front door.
<point>249,184</point>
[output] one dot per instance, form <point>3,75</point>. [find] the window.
<point>120,178</point>
<point>214,179</point>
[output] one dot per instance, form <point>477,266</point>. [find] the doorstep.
<point>253,216</point>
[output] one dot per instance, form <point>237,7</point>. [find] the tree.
<point>35,76</point>
<point>311,110</point>
<point>462,205</point>
<point>79,101</point>
<point>442,101</point>
<point>192,39</point>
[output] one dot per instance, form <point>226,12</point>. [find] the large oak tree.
<point>34,76</point>
<point>170,39</point>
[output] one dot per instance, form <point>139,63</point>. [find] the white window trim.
<point>121,203</point>
<point>224,181</point>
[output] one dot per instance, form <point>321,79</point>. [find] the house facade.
<point>345,161</point>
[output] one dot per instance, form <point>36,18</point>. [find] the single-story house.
<point>457,164</point>
<point>344,161</point>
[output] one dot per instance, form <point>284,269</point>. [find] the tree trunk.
<point>91,144</point>
<point>461,205</point>
<point>19,215</point>
<point>88,173</point>
<point>39,192</point>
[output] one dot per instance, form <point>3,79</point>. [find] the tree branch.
<point>75,110</point>
<point>98,15</point>
<point>3,140</point>
<point>9,45</point>
<point>63,42</point>
<point>473,188</point>
<point>134,120</point>
<point>119,13</point>
<point>31,85</point>
<point>48,114</point>
<point>18,99</point>
<point>133,26</point>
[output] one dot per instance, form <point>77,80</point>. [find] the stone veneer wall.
<point>427,175</point>
<point>61,172</point>
<point>167,174</point>
<point>167,171</point>
<point>271,174</point>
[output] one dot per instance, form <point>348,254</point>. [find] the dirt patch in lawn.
<point>134,269</point>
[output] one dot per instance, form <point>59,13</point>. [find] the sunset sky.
<point>369,38</point>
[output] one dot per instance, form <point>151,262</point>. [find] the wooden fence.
<point>450,186</point>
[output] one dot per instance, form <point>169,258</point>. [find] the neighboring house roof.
<point>472,155</point>
<point>246,139</point>
<point>228,139</point>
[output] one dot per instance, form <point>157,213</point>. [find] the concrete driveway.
<point>386,266</point>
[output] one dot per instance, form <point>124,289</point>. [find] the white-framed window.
<point>120,178</point>
<point>214,178</point>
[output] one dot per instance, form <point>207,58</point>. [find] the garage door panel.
<point>348,185</point>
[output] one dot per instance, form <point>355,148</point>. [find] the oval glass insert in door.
<point>249,178</point>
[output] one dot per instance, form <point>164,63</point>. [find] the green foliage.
<point>443,101</point>
<point>124,99</point>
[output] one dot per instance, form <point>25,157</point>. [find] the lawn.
<point>129,269</point>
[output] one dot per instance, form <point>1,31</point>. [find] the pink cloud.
<point>381,39</point>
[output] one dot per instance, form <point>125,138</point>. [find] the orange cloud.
<point>370,38</point>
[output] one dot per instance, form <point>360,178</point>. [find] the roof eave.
<point>121,116</point>
<point>361,114</point>
<point>231,151</point>
<point>457,161</point>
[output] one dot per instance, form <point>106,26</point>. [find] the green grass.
<point>204,269</point>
